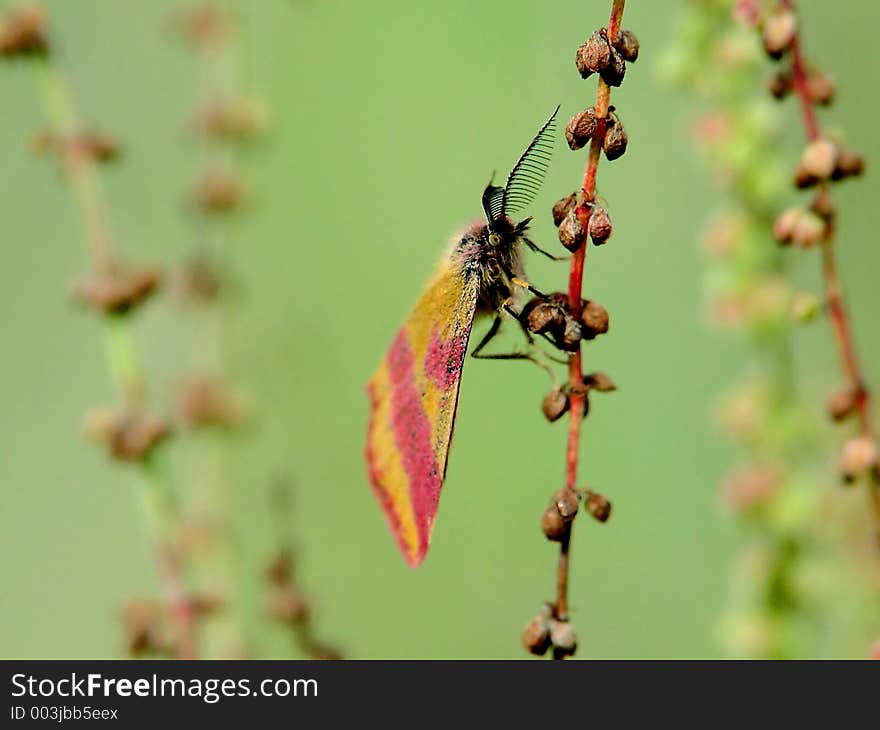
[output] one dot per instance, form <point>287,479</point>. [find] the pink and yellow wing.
<point>413,396</point>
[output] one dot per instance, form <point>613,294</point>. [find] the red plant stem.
<point>575,286</point>
<point>837,311</point>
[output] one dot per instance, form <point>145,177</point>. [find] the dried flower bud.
<point>563,638</point>
<point>570,338</point>
<point>218,191</point>
<point>849,164</point>
<point>536,635</point>
<point>820,88</point>
<point>842,404</point>
<point>581,128</point>
<point>781,83</point>
<point>594,318</point>
<point>808,230</point>
<point>127,436</point>
<point>600,225</point>
<point>779,31</point>
<point>554,405</point>
<point>593,55</point>
<point>784,225</point>
<point>544,314</point>
<point>23,33</point>
<point>117,290</point>
<point>562,207</point>
<point>803,178</point>
<point>616,140</point>
<point>600,382</point>
<point>552,524</point>
<point>823,205</point>
<point>597,505</point>
<point>628,45</point>
<point>566,501</point>
<point>804,307</point>
<point>857,458</point>
<point>571,230</point>
<point>819,158</point>
<point>614,72</point>
<point>204,401</point>
<point>288,606</point>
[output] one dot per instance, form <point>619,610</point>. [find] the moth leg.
<point>537,249</point>
<point>525,285</point>
<point>530,356</point>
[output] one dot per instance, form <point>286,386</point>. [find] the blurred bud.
<point>597,505</point>
<point>218,191</point>
<point>819,158</point>
<point>205,25</point>
<point>745,490</point>
<point>536,635</point>
<point>554,405</point>
<point>23,32</point>
<point>235,119</point>
<point>127,436</point>
<point>115,289</point>
<point>615,139</point>
<point>571,230</point>
<point>581,128</point>
<point>614,72</point>
<point>563,639</point>
<point>804,179</point>
<point>842,404</point>
<point>288,606</point>
<point>204,401</point>
<point>857,458</point>
<point>875,650</point>
<point>849,164</point>
<point>600,382</point>
<point>820,88</point>
<point>140,619</point>
<point>804,307</point>
<point>808,230</point>
<point>594,318</point>
<point>280,570</point>
<point>779,31</point>
<point>562,207</point>
<point>566,501</point>
<point>600,225</point>
<point>197,280</point>
<point>784,225</point>
<point>553,525</point>
<point>781,83</point>
<point>593,55</point>
<point>823,205</point>
<point>628,45</point>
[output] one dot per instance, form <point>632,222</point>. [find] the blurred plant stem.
<point>160,510</point>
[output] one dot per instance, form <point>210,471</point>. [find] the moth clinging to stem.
<point>414,392</point>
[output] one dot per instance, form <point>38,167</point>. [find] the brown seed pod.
<point>628,45</point>
<point>536,635</point>
<point>544,314</point>
<point>857,458</point>
<point>563,639</point>
<point>614,72</point>
<point>127,436</point>
<point>842,404</point>
<point>594,54</point>
<point>554,405</point>
<point>117,290</point>
<point>779,31</point>
<point>597,505</point>
<point>820,88</point>
<point>23,33</point>
<point>600,382</point>
<point>849,164</point>
<point>803,178</point>
<point>781,83</point>
<point>819,158</point>
<point>561,208</point>
<point>784,225</point>
<point>616,140</point>
<point>571,231</point>
<point>566,501</point>
<point>594,318</point>
<point>600,225</point>
<point>552,524</point>
<point>581,128</point>
<point>570,338</point>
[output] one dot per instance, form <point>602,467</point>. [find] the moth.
<point>414,392</point>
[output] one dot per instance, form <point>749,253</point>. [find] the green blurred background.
<point>388,118</point>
